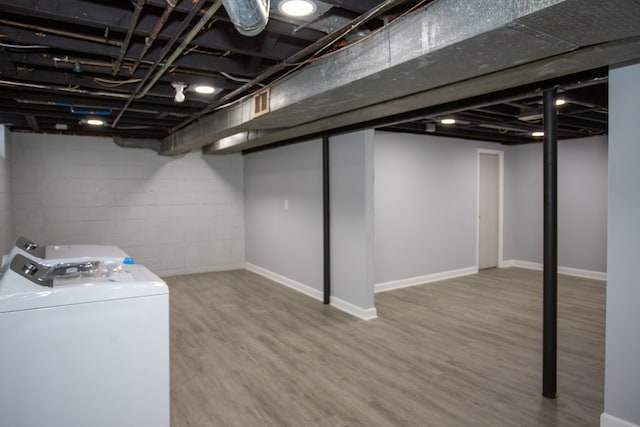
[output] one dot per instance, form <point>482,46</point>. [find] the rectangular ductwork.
<point>260,103</point>
<point>431,56</point>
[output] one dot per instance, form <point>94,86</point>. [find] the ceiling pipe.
<point>171,5</point>
<point>64,89</point>
<point>127,39</point>
<point>142,90</point>
<point>320,44</point>
<point>61,33</point>
<point>249,17</point>
<point>75,62</point>
<point>185,42</point>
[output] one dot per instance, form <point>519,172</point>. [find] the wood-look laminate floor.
<point>464,352</point>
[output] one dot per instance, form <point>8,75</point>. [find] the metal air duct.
<point>248,16</point>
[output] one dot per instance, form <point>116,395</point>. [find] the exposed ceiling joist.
<point>63,52</point>
<point>353,80</point>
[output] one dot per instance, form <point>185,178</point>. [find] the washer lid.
<point>24,286</point>
<point>64,253</point>
<point>55,254</point>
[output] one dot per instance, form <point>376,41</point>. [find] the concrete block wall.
<point>176,215</point>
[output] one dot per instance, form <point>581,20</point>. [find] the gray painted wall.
<point>622,362</point>
<point>523,203</point>
<point>425,204</point>
<point>426,201</point>
<point>288,242</point>
<point>176,215</point>
<point>285,241</point>
<point>582,203</point>
<point>352,229</point>
<point>6,233</point>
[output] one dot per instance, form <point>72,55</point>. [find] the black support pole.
<point>550,302</point>
<point>326,220</point>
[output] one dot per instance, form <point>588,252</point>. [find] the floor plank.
<point>463,352</point>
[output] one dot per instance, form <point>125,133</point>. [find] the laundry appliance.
<point>55,254</point>
<point>83,344</point>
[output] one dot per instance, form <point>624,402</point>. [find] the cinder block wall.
<point>176,215</point>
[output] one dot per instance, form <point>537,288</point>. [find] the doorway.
<point>490,168</point>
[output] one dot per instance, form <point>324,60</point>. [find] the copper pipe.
<point>171,5</point>
<point>142,90</point>
<point>61,33</point>
<point>67,60</point>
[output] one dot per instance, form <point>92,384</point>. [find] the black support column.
<point>326,220</point>
<point>550,302</point>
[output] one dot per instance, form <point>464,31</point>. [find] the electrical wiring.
<point>18,46</point>
<point>238,79</point>
<point>114,83</point>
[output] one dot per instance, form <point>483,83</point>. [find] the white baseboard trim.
<point>506,263</point>
<point>354,310</point>
<point>347,307</point>
<point>607,420</point>
<point>421,280</point>
<point>524,264</point>
<point>290,283</point>
<point>588,274</point>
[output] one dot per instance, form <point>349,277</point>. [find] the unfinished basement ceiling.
<point>403,67</point>
<point>515,116</point>
<point>64,61</point>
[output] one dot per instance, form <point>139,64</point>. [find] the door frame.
<point>500,154</point>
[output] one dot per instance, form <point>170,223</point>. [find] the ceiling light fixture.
<point>448,121</point>
<point>179,87</point>
<point>537,133</point>
<point>297,8</point>
<point>205,90</point>
<point>95,122</point>
<point>560,102</point>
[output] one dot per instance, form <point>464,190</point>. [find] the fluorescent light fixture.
<point>206,90</point>
<point>297,8</point>
<point>560,102</point>
<point>537,133</point>
<point>448,121</point>
<point>530,114</point>
<point>95,122</point>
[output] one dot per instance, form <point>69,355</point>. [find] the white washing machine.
<point>56,254</point>
<point>87,347</point>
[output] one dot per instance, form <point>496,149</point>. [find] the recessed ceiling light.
<point>448,121</point>
<point>206,90</point>
<point>297,8</point>
<point>560,101</point>
<point>537,133</point>
<point>95,122</point>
